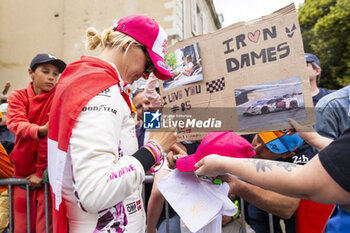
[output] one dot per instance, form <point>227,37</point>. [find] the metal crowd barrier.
<point>148,179</point>
<point>21,181</point>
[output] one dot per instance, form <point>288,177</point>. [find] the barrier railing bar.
<point>28,208</point>
<point>271,223</point>
<point>148,179</point>
<point>46,207</point>
<point>16,181</point>
<point>10,209</point>
<point>13,181</point>
<point>167,216</point>
<point>244,230</point>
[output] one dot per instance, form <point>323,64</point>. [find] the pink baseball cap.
<point>151,35</point>
<point>222,143</point>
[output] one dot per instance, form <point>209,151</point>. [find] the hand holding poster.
<point>250,77</point>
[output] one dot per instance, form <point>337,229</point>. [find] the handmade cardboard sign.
<point>249,77</point>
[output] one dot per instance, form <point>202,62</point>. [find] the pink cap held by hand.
<point>222,143</point>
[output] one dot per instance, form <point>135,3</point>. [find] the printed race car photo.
<point>276,104</point>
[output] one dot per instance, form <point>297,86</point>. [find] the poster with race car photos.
<point>251,77</point>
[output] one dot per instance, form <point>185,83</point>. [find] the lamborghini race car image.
<point>276,104</point>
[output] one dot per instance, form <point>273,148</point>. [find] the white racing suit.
<point>102,182</point>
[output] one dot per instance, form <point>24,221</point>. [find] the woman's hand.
<point>309,135</point>
<point>211,165</point>
<point>305,132</point>
<point>176,151</point>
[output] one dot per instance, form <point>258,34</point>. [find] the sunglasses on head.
<point>149,64</point>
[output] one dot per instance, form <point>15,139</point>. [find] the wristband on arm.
<point>145,157</point>
<point>158,151</point>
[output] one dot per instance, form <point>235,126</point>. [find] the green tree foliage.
<point>325,27</point>
<point>170,60</point>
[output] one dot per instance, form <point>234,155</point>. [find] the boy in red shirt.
<point>27,117</point>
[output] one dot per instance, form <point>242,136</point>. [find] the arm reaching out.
<point>6,88</point>
<point>310,181</point>
<point>310,135</point>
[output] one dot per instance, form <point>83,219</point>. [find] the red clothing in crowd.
<point>6,168</point>
<point>26,112</point>
<point>6,171</point>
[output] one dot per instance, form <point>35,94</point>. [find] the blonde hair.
<point>108,39</point>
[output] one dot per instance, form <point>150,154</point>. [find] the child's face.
<point>313,73</point>
<point>44,77</point>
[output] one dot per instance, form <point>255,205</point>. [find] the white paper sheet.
<point>196,201</point>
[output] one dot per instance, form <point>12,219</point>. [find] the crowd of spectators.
<point>303,183</point>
